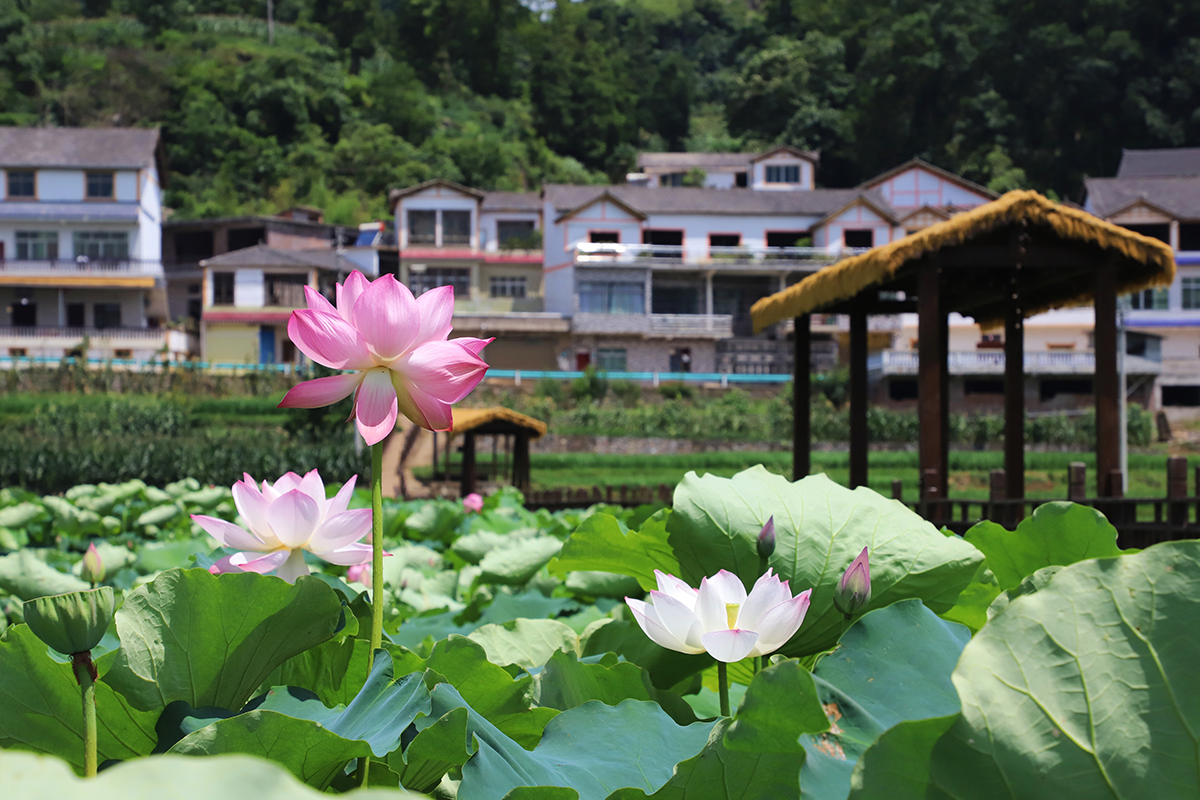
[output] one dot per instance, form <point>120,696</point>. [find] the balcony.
<point>991,362</point>
<point>657,326</point>
<point>64,336</point>
<point>81,268</point>
<point>748,258</point>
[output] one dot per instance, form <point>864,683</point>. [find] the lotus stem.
<point>723,687</point>
<point>87,689</point>
<point>376,553</point>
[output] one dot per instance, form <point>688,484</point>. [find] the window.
<point>783,174</point>
<point>902,388</point>
<point>75,315</point>
<point>193,245</point>
<point>612,298</point>
<point>983,386</point>
<point>422,227</point>
<point>675,300</point>
<point>123,354</point>
<point>1150,299</point>
<point>37,245</point>
<point>724,239</point>
<point>285,290</point>
<point>739,180</point>
<point>610,359</point>
<point>222,288</point>
<point>241,238</point>
<point>18,352</point>
<point>990,341</point>
<point>102,245</point>
<point>604,237</point>
<point>21,183</point>
<point>1181,396</point>
<point>1189,236</point>
<point>432,278</point>
<point>24,312</point>
<point>456,227</point>
<point>672,241</point>
<point>1051,387</point>
<point>507,285</point>
<point>788,239</point>
<point>1162,231</point>
<point>859,238</point>
<point>672,179</point>
<point>107,315</point>
<point>515,233</point>
<point>100,186</point>
<point>1191,292</point>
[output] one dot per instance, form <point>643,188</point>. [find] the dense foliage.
<point>358,96</point>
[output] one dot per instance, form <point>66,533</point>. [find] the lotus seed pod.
<point>74,622</point>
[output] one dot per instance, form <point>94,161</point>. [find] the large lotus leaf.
<point>1034,583</point>
<point>439,746</point>
<point>566,682</point>
<point>973,604</point>
<point>1083,689</point>
<point>594,749</point>
<point>780,705</point>
<point>25,575</point>
<point>602,543</point>
<point>20,515</point>
<point>517,563</point>
<point>528,643</point>
<point>666,667</point>
<point>820,527</point>
<point>504,701</point>
<point>896,767</point>
<point>212,640</point>
<point>333,671</point>
<point>29,777</point>
<point>40,707</point>
<point>1056,534</point>
<point>718,773</point>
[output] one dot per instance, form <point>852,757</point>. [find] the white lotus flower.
<point>719,618</point>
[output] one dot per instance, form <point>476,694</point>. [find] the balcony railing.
<point>43,332</point>
<point>991,362</point>
<point>704,325</point>
<point>716,257</point>
<point>81,266</point>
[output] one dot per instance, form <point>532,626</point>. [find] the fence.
<point>624,495</point>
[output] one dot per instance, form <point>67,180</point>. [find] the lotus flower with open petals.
<point>286,519</point>
<point>720,618</point>
<point>396,343</point>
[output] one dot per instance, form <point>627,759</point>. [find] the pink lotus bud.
<point>854,589</point>
<point>93,565</point>
<point>473,502</point>
<point>766,539</point>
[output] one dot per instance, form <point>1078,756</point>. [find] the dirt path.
<point>410,444</point>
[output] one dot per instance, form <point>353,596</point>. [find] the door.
<point>24,313</point>
<point>582,361</point>
<point>266,344</point>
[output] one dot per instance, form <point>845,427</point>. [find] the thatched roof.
<point>1143,262</point>
<point>466,419</point>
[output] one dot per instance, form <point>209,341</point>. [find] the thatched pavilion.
<point>998,264</point>
<point>516,430</point>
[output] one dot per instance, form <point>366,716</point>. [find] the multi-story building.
<point>781,168</point>
<point>81,244</point>
<point>488,246</point>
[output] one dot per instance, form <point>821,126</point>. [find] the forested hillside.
<point>353,97</point>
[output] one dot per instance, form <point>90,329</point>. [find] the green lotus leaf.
<point>603,543</point>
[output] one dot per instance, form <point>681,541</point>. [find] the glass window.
<point>507,285</point>
<point>21,183</point>
<point>421,225</point>
<point>107,315</point>
<point>433,277</point>
<point>515,233</point>
<point>285,290</point>
<point>1150,299</point>
<point>100,185</point>
<point>604,237</point>
<point>1191,292</point>
<point>103,245</point>
<point>37,245</point>
<point>612,298</point>
<point>222,288</point>
<point>610,359</point>
<point>456,227</point>
<point>860,238</point>
<point>783,174</point>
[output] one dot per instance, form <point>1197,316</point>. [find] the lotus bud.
<point>71,623</point>
<point>766,540</point>
<point>93,566</point>
<point>854,589</point>
<point>473,503</point>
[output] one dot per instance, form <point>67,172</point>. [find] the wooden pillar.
<point>468,463</point>
<point>521,477</point>
<point>859,438</point>
<point>931,405</point>
<point>1108,418</point>
<point>1077,481</point>
<point>1014,403</point>
<point>1177,507</point>
<point>801,397</point>
<point>944,380</point>
<point>997,493</point>
<point>435,458</point>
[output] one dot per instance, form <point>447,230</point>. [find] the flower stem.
<point>87,689</point>
<point>376,551</point>
<point>723,687</point>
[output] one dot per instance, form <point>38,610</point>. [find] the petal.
<point>435,310</point>
<point>341,501</point>
<point>729,587</point>
<point>375,406</point>
<point>321,391</point>
<point>339,530</point>
<point>767,593</point>
<point>347,295</point>
<point>329,340</point>
<point>444,370</point>
<point>293,567</point>
<point>779,624</point>
<point>428,412</point>
<point>474,345</point>
<point>678,619</point>
<point>650,625</point>
<point>730,645</point>
<point>294,517</point>
<point>312,485</point>
<point>677,588</point>
<point>715,594</point>
<point>385,315</point>
<point>225,565</point>
<point>244,563</point>
<point>349,555</point>
<point>228,534</point>
<point>286,483</point>
<point>252,506</point>
<point>318,301</point>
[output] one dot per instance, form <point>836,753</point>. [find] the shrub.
<point>592,386</point>
<point>628,393</point>
<point>550,389</point>
<point>677,391</point>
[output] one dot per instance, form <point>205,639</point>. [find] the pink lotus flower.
<point>473,503</point>
<point>360,573</point>
<point>720,618</point>
<point>285,520</point>
<point>398,347</point>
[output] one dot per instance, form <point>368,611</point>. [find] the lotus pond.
<point>1041,662</point>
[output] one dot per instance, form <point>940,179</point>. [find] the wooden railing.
<point>624,495</point>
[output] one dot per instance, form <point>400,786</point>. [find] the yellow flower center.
<point>731,613</point>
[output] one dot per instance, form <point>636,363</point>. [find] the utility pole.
<point>271,22</point>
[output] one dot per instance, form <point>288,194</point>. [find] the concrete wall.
<point>650,355</point>
<point>230,342</point>
<point>436,198</point>
<point>916,187</point>
<point>858,217</point>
